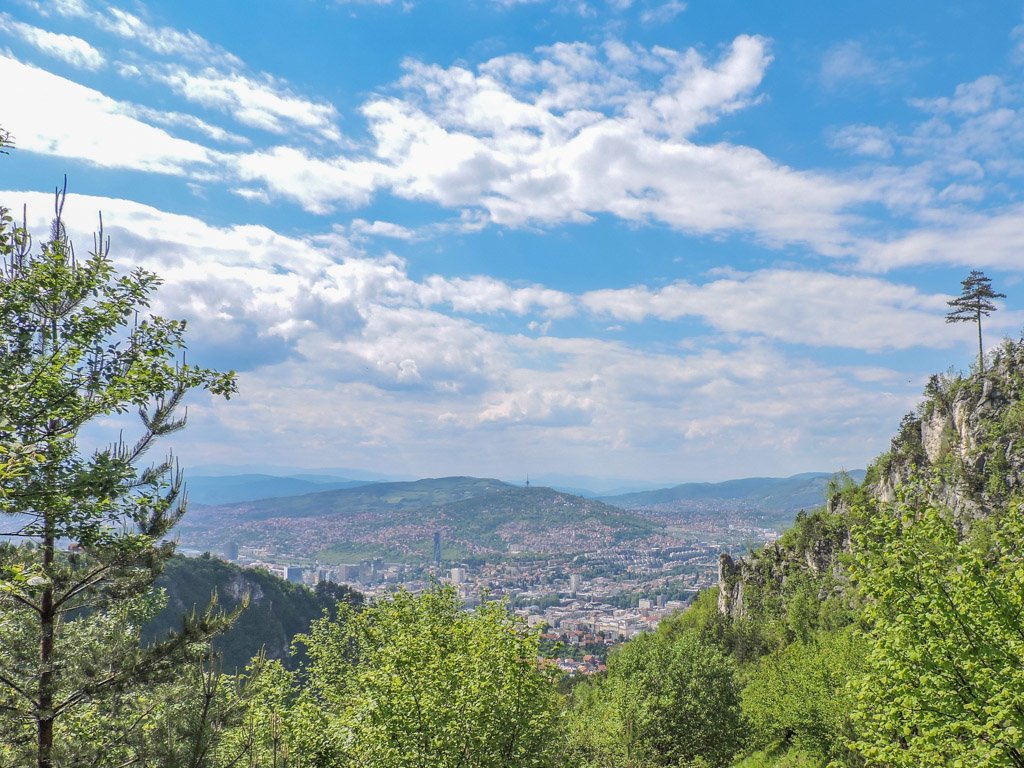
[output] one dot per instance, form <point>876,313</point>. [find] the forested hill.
<point>476,518</point>
<point>278,610</point>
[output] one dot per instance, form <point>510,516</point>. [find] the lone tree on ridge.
<point>974,301</point>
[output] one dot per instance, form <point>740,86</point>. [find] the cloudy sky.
<point>643,239</point>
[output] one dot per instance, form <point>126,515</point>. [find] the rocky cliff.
<point>966,440</point>
<point>806,556</point>
<point>964,445</point>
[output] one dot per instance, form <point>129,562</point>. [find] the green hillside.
<point>278,610</point>
<point>476,517</point>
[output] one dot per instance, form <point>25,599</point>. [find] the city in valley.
<point>590,571</point>
<point>586,601</point>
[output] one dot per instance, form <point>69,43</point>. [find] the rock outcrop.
<point>963,446</point>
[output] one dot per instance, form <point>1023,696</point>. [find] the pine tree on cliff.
<point>974,300</point>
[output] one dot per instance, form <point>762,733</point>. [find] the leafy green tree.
<point>975,300</point>
<point>945,673</point>
<point>418,681</point>
<point>76,346</point>
<point>800,696</point>
<point>666,700</point>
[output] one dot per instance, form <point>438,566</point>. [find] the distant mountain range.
<point>349,520</point>
<point>229,484</point>
<point>278,470</point>
<point>476,517</point>
<point>581,485</point>
<point>774,499</point>
<point>233,489</point>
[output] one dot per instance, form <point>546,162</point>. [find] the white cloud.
<point>540,407</point>
<point>348,356</point>
<point>849,62</point>
<point>1017,35</point>
<point>183,120</point>
<point>482,294</point>
<point>812,308</point>
<point>316,184</point>
<point>663,13</point>
<point>263,103</point>
<point>54,116</point>
<point>969,98</point>
<point>575,132</point>
<point>67,8</point>
<point>563,136</point>
<point>967,149</point>
<point>73,50</point>
<point>979,129</point>
<point>259,101</point>
<point>977,240</point>
<point>573,403</point>
<point>361,229</point>
<point>579,7</point>
<point>257,195</point>
<point>165,41</point>
<point>866,140</point>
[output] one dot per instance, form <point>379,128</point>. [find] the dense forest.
<point>885,628</point>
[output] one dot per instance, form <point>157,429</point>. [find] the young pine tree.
<point>77,345</point>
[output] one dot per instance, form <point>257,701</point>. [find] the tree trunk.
<point>44,711</point>
<point>981,349</point>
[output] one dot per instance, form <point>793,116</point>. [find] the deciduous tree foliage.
<point>417,681</point>
<point>945,677</point>
<point>667,700</point>
<point>76,345</point>
<point>800,696</point>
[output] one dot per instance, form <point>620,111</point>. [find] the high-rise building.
<point>458,575</point>
<point>574,583</point>
<point>437,548</point>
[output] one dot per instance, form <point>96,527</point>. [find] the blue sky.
<point>636,239</point>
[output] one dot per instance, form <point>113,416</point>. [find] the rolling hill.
<point>476,517</point>
<point>769,500</point>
